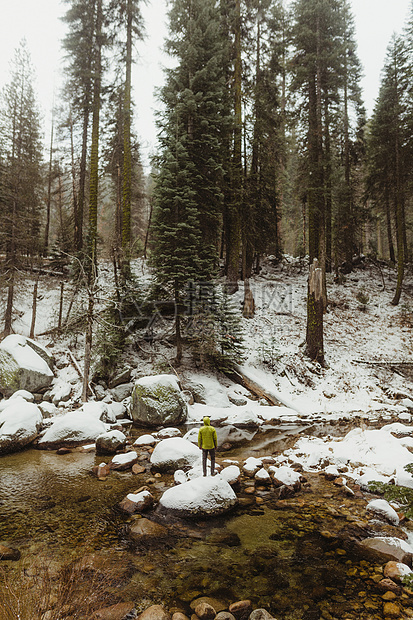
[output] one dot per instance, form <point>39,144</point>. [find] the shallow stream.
<point>276,553</point>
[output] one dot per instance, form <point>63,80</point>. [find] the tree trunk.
<point>88,345</point>
<point>127,156</point>
<point>49,195</point>
<point>34,307</point>
<point>315,310</point>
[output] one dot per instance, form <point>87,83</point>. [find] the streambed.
<point>286,556</point>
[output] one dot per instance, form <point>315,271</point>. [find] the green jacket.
<point>207,436</point>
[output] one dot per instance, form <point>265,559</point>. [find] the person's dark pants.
<point>204,461</point>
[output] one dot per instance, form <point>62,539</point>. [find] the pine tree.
<point>188,193</point>
<point>21,154</point>
<point>388,146</point>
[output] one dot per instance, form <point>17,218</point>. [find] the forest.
<point>264,150</point>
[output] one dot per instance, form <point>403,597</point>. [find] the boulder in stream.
<point>201,497</point>
<point>174,453</point>
<point>383,548</point>
<point>72,429</point>
<point>20,424</point>
<point>157,400</point>
<point>24,365</point>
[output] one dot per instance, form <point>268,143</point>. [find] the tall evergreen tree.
<point>21,155</point>
<point>188,194</point>
<point>388,144</point>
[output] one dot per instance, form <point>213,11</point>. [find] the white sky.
<point>38,21</point>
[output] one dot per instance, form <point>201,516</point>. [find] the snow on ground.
<point>356,331</point>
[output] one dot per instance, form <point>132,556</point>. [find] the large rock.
<point>20,423</point>
<point>72,429</point>
<point>110,442</point>
<point>157,401</point>
<point>24,365</point>
<point>201,497</point>
<point>384,548</point>
<point>174,453</point>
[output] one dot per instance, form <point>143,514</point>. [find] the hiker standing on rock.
<point>207,442</point>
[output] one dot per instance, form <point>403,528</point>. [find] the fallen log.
<point>243,377</point>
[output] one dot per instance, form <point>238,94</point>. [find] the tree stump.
<point>315,311</point>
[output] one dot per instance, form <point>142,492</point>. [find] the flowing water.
<point>53,510</point>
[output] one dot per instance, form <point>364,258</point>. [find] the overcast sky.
<point>38,21</point>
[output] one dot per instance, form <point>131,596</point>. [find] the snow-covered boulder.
<point>99,410</point>
<point>23,394</point>
<point>231,474</point>
<point>382,508</point>
<point>243,417</point>
<point>157,400</point>
<point>207,390</point>
<point>262,476</point>
<point>200,497</point>
<point>136,502</point>
<point>120,462</point>
<point>60,392</point>
<point>251,466</point>
<point>20,423</point>
<point>166,433</point>
<point>145,440</point>
<point>110,442</point>
<point>47,409</point>
<point>174,453</point>
<point>24,365</point>
<point>71,429</point>
<point>386,548</point>
<point>368,476</point>
<point>285,475</point>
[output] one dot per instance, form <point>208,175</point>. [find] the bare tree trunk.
<point>88,345</point>
<point>59,324</point>
<point>315,310</point>
<point>49,195</point>
<point>34,307</point>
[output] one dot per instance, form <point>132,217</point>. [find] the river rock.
<point>24,365</point>
<point>145,440</point>
<point>167,433</point>
<point>382,508</point>
<point>231,474</point>
<point>175,453</point>
<point>101,471</point>
<point>391,610</point>
<point>262,476</point>
<point>251,466</point>
<point>200,497</point>
<point>115,612</point>
<point>157,401</point>
<point>120,392</point>
<point>121,377</point>
<point>20,423</point>
<point>218,605</point>
<point>179,615</point>
<point>241,609</point>
<point>205,611</point>
<point>224,615</point>
<point>7,553</point>
<point>155,612</point>
<point>387,548</point>
<point>285,476</point>
<point>144,529</point>
<point>388,585</point>
<point>110,442</point>
<point>136,502</point>
<point>396,571</point>
<point>71,429</point>
<point>121,462</point>
<point>260,614</point>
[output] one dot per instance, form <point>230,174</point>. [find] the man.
<point>207,442</point>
